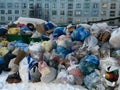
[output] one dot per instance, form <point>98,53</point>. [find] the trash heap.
<point>82,54</point>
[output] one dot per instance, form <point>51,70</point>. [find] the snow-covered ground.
<point>34,86</point>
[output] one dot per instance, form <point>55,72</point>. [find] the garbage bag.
<point>80,34</point>
<point>88,64</point>
<point>48,73</point>
<point>93,81</point>
<point>116,54</point>
<point>90,42</point>
<point>14,30</point>
<point>95,28</point>
<point>23,70</point>
<point>115,38</point>
<point>62,51</point>
<point>65,41</point>
<point>33,72</point>
<point>49,25</point>
<point>58,31</point>
<point>3,31</point>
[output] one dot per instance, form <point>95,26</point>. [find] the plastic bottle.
<point>112,76</point>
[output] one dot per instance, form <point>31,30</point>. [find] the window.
<point>53,19</point>
<point>78,5</point>
<point>16,11</point>
<point>70,13</point>
<point>38,5</point>
<point>104,5</point>
<point>95,5</point>
<point>94,19</point>
<point>112,13</point>
<point>46,12</point>
<point>54,5</point>
<point>103,13</point>
<point>87,5</point>
<point>16,5</point>
<point>16,18</point>
<point>86,12</point>
<point>46,5</point>
<point>62,12</point>
<point>62,5</point>
<point>78,13</point>
<point>2,5</point>
<point>9,11</point>
<point>2,11</point>
<point>46,17</point>
<point>2,18</point>
<point>111,22</point>
<point>112,6</point>
<point>31,6</point>
<point>70,6</point>
<point>95,13</point>
<point>24,12</point>
<point>31,13</point>
<point>61,19</point>
<point>9,5</point>
<point>9,18</point>
<point>54,12</point>
<point>78,20</point>
<point>24,5</point>
<point>70,20</point>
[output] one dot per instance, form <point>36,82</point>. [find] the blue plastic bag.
<point>22,46</point>
<point>24,28</point>
<point>59,31</point>
<point>62,51</point>
<point>3,31</point>
<point>88,64</point>
<point>33,73</point>
<point>49,26</point>
<point>80,34</point>
<point>91,81</point>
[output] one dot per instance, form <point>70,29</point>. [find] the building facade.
<point>61,12</point>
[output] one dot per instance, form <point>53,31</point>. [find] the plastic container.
<point>34,39</point>
<point>38,39</point>
<point>25,38</point>
<point>16,37</point>
<point>13,37</point>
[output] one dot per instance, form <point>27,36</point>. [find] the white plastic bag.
<point>36,34</point>
<point>23,70</point>
<point>95,28</point>
<point>106,62</point>
<point>90,42</point>
<point>115,38</point>
<point>25,20</point>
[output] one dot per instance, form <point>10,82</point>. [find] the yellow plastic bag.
<point>14,30</point>
<point>3,51</point>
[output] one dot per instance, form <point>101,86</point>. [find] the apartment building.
<point>61,12</point>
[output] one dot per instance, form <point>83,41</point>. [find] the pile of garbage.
<point>82,54</point>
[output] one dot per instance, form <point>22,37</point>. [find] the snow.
<point>34,86</point>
